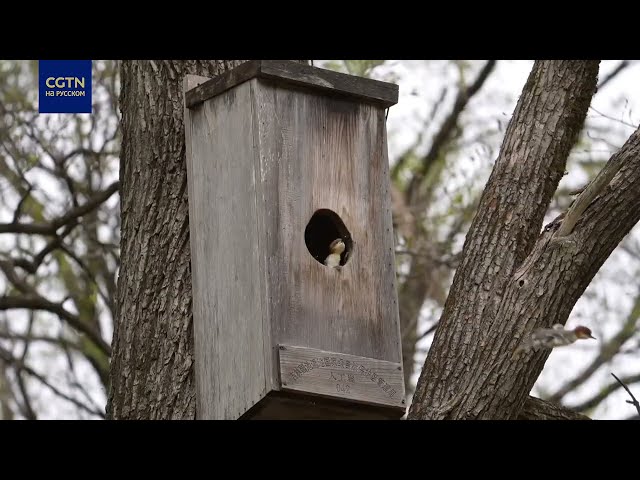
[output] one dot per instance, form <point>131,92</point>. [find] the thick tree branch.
<point>613,213</point>
<point>537,409</point>
<point>71,216</point>
<point>465,375</point>
<point>592,190</point>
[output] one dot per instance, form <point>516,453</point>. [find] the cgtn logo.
<point>65,86</point>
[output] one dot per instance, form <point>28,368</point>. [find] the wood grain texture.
<point>227,306</point>
<point>339,375</point>
<point>300,75</point>
<point>318,152</point>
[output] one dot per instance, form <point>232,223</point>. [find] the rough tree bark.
<point>151,367</point>
<point>512,278</point>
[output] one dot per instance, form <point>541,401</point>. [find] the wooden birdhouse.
<point>283,159</point>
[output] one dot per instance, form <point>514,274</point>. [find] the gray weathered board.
<point>298,75</point>
<point>263,156</point>
<point>318,372</point>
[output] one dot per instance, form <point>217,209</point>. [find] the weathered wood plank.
<point>329,153</point>
<point>328,82</point>
<point>340,375</point>
<point>227,303</point>
<point>264,227</point>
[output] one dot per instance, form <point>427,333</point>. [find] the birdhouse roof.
<point>298,75</point>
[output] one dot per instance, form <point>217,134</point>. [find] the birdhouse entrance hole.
<point>324,227</point>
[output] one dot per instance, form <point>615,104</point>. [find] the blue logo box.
<point>65,86</point>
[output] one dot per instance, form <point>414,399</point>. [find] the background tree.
<point>59,236</point>
<point>513,279</point>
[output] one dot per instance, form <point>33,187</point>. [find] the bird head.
<point>583,332</point>
<point>337,246</point>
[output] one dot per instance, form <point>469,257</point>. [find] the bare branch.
<point>614,73</point>
<point>609,117</point>
<point>38,338</point>
<point>72,215</point>
<point>604,393</point>
<point>402,159</point>
<point>429,330</point>
<point>29,413</point>
<point>32,266</point>
<point>446,129</point>
<point>634,400</point>
<point>607,352</point>
<point>8,358</point>
<point>36,302</point>
<point>25,196</point>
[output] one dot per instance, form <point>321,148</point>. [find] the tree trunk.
<point>152,363</point>
<point>511,279</point>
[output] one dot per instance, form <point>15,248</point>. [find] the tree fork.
<point>466,374</point>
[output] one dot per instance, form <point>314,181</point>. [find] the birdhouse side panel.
<point>227,294</point>
<point>322,153</point>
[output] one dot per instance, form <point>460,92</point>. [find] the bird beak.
<point>591,336</point>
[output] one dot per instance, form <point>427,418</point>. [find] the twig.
<point>36,302</point>
<point>432,328</point>
<point>621,66</point>
<point>604,393</point>
<point>609,117</point>
<point>634,400</point>
<point>8,358</point>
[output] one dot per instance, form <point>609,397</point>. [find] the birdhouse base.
<point>281,405</point>
<point>317,384</point>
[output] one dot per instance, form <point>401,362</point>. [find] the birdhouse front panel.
<point>324,177</point>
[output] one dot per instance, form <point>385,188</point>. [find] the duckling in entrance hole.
<point>336,248</point>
